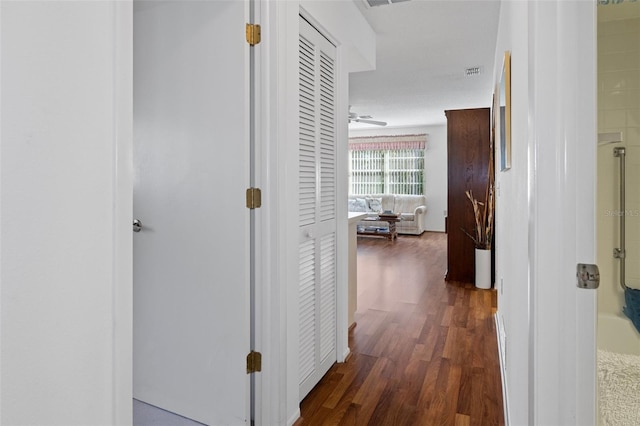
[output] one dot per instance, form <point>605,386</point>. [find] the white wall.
<point>65,197</point>
<point>65,215</point>
<point>435,167</point>
<point>346,25</point>
<point>512,217</point>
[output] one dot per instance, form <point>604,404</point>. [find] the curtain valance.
<point>384,143</point>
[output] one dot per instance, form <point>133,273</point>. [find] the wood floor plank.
<point>423,352</point>
<point>339,390</point>
<point>428,391</point>
<point>413,380</point>
<point>465,395</point>
<point>446,318</point>
<point>452,392</point>
<point>370,383</point>
<point>462,420</point>
<point>371,401</point>
<point>476,397</point>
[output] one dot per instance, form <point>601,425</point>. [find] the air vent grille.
<point>375,3</point>
<point>472,71</point>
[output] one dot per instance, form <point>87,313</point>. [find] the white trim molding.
<point>500,335</point>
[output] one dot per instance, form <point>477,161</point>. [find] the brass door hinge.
<point>254,362</point>
<point>254,198</point>
<point>253,34</point>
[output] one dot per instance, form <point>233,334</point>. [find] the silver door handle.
<point>137,225</point>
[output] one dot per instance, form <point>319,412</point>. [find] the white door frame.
<point>270,293</point>
<point>277,93</point>
<point>562,160</point>
<point>123,215</point>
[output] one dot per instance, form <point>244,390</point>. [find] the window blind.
<point>387,165</point>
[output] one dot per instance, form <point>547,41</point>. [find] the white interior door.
<point>191,170</point>
<point>317,206</point>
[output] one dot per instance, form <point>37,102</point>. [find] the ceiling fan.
<point>355,118</point>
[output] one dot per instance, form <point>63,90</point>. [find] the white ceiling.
<point>423,49</point>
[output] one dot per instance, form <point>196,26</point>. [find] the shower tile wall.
<point>618,111</point>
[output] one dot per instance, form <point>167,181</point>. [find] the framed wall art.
<point>503,112</point>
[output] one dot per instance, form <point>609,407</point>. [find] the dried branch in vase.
<point>483,214</point>
<point>483,211</point>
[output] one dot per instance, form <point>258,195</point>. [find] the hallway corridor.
<point>423,351</point>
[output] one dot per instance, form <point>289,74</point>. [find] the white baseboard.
<point>503,371</point>
<point>345,355</point>
<point>294,418</point>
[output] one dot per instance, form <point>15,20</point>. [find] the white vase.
<point>483,268</point>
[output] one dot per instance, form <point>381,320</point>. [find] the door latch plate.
<point>588,276</point>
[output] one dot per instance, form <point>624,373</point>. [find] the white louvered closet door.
<point>317,207</point>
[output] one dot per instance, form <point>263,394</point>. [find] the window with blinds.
<point>390,166</point>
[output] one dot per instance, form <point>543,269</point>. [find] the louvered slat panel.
<point>327,139</point>
<point>307,138</point>
<point>317,190</point>
<point>327,296</point>
<point>307,318</point>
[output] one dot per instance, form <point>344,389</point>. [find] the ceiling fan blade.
<point>377,123</point>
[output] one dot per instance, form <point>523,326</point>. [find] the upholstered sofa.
<point>412,209</point>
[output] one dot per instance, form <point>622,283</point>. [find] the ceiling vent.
<point>472,71</point>
<point>374,3</point>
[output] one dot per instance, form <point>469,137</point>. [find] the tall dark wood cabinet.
<point>468,145</point>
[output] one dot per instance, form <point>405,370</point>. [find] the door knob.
<point>137,225</point>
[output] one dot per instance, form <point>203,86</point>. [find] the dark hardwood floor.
<point>423,351</point>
